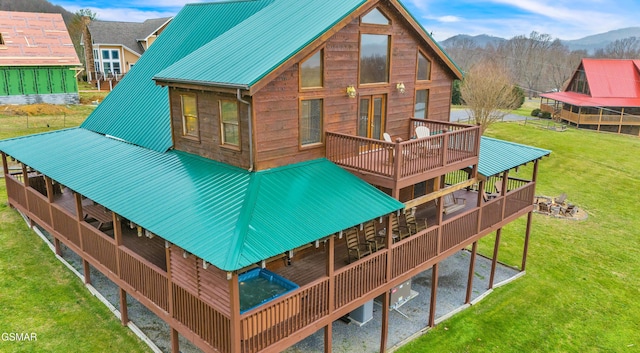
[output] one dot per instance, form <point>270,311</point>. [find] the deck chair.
<point>543,207</point>
<point>387,137</point>
<point>560,199</point>
<point>356,248</point>
<point>422,132</point>
<point>375,240</point>
<point>488,197</point>
<point>498,186</point>
<point>452,204</point>
<point>569,211</point>
<point>413,224</point>
<point>399,231</point>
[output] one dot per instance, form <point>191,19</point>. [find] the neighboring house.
<point>254,143</point>
<point>38,63</point>
<point>603,95</point>
<point>112,48</point>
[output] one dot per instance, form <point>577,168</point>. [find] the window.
<point>375,17</point>
<point>190,116</point>
<point>105,54</point>
<point>311,71</point>
<point>114,54</point>
<point>580,83</point>
<point>311,122</point>
<point>421,109</point>
<point>424,68</point>
<point>229,123</point>
<point>111,61</point>
<point>374,58</point>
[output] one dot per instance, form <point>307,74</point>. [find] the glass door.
<point>371,117</point>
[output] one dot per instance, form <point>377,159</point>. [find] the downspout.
<point>239,98</point>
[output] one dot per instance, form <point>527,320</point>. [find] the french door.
<point>372,114</point>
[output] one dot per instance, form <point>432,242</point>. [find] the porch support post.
<point>117,236</point>
<point>526,242</point>
<point>124,314</point>
<point>167,252</point>
<point>175,341</point>
<point>234,293</point>
<point>49,187</point>
<point>330,267</point>
<point>505,185</point>
<point>434,294</point>
<point>25,178</point>
<point>87,271</point>
<point>472,267</point>
<point>5,164</point>
<point>621,117</point>
<point>385,322</point>
<point>494,260</point>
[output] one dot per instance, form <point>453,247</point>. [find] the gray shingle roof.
<point>124,33</point>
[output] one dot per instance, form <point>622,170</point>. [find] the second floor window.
<point>374,58</point>
<point>190,125</point>
<point>424,68</point>
<point>311,122</point>
<point>229,123</point>
<point>311,71</point>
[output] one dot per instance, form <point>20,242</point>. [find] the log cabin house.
<point>249,142</point>
<point>602,95</point>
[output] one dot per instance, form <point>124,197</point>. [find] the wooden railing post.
<point>25,181</point>
<point>328,330</point>
<point>397,160</point>
<point>503,194</point>
<point>117,236</point>
<point>5,164</point>
<point>445,147</point>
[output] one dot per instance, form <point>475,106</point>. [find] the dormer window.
<point>311,71</point>
<point>190,127</point>
<point>424,68</point>
<point>375,17</point>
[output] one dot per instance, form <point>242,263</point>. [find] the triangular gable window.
<point>375,17</point>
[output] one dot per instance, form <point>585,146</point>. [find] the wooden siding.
<point>208,145</point>
<point>276,106</point>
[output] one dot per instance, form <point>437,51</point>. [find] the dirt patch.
<point>34,109</point>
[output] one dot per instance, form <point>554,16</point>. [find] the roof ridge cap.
<point>242,227</point>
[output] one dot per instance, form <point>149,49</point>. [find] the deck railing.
<point>146,278</point>
<point>277,319</point>
<point>459,229</point>
<point>38,205</point>
<point>414,251</point>
<point>519,199</point>
<point>206,322</point>
<point>65,224</point>
<point>15,190</point>
<point>99,246</point>
<point>491,213</point>
<point>396,160</point>
<point>352,282</point>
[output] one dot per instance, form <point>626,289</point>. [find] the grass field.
<point>580,293</point>
<point>582,286</point>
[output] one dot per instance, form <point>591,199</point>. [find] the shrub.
<point>545,115</point>
<point>519,93</point>
<point>535,112</point>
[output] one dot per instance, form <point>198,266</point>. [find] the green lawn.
<point>582,286</point>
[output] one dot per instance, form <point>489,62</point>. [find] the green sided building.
<point>38,63</point>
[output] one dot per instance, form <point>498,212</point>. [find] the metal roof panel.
<point>497,156</point>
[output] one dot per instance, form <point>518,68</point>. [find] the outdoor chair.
<point>426,147</point>
<point>375,240</point>
<point>413,224</point>
<point>486,197</point>
<point>451,204</point>
<point>569,211</point>
<point>498,186</point>
<point>422,132</point>
<point>399,231</point>
<point>356,248</point>
<point>560,199</point>
<point>543,207</point>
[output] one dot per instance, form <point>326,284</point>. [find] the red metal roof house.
<point>603,95</point>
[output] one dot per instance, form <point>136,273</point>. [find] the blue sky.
<point>564,19</point>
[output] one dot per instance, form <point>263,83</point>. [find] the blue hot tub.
<point>259,286</point>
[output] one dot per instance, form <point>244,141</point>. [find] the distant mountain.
<point>480,40</point>
<point>589,43</point>
<point>599,41</point>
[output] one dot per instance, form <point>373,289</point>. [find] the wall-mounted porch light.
<point>400,88</point>
<point>351,91</point>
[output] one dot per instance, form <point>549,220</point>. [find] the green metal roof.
<point>225,215</point>
<point>497,156</point>
<point>137,110</point>
<point>249,51</point>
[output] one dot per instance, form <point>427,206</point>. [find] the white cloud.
<point>124,14</point>
<point>448,19</point>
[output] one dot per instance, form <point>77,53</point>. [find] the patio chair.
<point>413,224</point>
<point>569,211</point>
<point>451,204</point>
<point>560,199</point>
<point>375,240</point>
<point>399,231</point>
<point>498,186</point>
<point>387,137</point>
<point>355,248</point>
<point>486,197</point>
<point>543,207</point>
<point>422,132</point>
